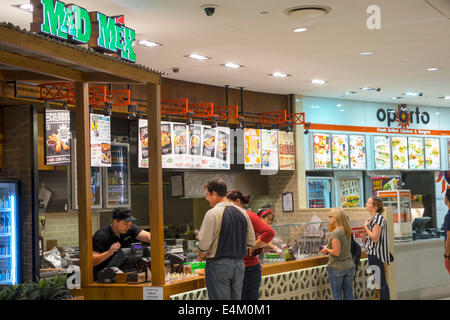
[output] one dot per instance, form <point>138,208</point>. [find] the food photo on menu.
<point>143,136</point>
<point>179,140</point>
<point>195,133</point>
<point>416,154</point>
<point>432,154</point>
<point>340,151</point>
<point>106,153</point>
<point>382,152</point>
<point>209,142</point>
<point>166,139</point>
<point>322,156</point>
<point>357,152</point>
<point>222,145</point>
<point>399,153</point>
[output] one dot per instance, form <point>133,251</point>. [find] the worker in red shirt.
<point>263,235</point>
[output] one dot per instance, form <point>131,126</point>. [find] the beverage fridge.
<point>117,177</point>
<point>9,232</point>
<point>320,192</point>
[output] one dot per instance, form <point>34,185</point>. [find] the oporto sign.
<point>403,116</point>
<point>73,23</point>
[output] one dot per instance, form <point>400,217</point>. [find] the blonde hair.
<point>341,220</point>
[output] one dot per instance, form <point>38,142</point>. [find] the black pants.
<point>384,289</point>
<point>252,282</point>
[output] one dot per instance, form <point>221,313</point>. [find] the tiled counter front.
<point>304,284</point>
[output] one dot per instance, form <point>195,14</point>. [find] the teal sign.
<point>73,23</point>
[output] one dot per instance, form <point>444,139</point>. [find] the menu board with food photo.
<point>416,154</point>
<point>223,148</point>
<point>180,146</point>
<point>322,151</point>
<point>448,151</point>
<point>269,152</point>
<point>350,192</point>
<point>209,148</point>
<point>357,152</point>
<point>286,149</point>
<point>100,140</point>
<point>340,151</point>
<point>432,155</point>
<point>252,148</point>
<point>399,152</point>
<point>382,152</point>
<point>143,143</point>
<point>194,158</point>
<point>166,145</point>
<point>385,183</point>
<point>57,133</point>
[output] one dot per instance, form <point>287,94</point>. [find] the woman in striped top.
<point>376,243</point>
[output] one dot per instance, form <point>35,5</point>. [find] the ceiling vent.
<point>441,6</point>
<point>307,12</point>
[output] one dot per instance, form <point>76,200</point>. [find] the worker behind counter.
<point>121,233</point>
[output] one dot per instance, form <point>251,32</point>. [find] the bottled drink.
<point>2,223</point>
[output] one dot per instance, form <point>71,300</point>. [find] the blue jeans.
<point>384,288</point>
<point>252,282</point>
<point>224,278</point>
<point>341,282</point>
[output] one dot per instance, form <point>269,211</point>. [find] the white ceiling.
<point>413,37</point>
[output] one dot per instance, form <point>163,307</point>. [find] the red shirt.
<point>266,235</point>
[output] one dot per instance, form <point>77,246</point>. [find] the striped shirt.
<point>379,249</point>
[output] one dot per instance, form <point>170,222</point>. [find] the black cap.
<point>123,214</point>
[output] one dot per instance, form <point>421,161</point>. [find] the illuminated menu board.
<point>399,152</point>
<point>432,155</point>
<point>286,149</point>
<point>416,154</point>
<point>357,152</point>
<point>322,151</point>
<point>252,149</point>
<point>340,152</point>
<point>382,151</point>
<point>269,152</point>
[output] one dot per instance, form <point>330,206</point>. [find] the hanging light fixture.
<point>107,110</point>
<point>132,110</point>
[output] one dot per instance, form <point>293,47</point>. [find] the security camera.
<point>210,9</point>
<point>175,69</point>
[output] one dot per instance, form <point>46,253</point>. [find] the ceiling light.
<point>197,57</point>
<point>438,113</point>
<point>432,69</point>
<point>350,92</point>
<point>339,105</point>
<point>342,110</point>
<point>445,97</point>
<point>300,29</point>
<point>396,98</point>
<point>318,81</point>
<point>367,88</point>
<point>412,94</point>
<point>314,107</point>
<point>147,43</point>
<point>232,65</point>
<point>279,75</point>
<point>25,7</point>
<point>367,53</point>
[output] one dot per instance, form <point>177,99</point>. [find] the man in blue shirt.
<point>447,232</point>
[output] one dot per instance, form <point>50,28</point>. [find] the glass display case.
<point>320,193</point>
<point>118,177</point>
<point>300,239</point>
<point>400,202</point>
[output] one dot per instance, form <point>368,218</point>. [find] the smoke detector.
<point>307,12</point>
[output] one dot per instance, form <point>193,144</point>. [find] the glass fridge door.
<point>320,192</point>
<point>9,236</point>
<point>118,177</point>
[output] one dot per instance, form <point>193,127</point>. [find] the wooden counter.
<point>115,291</point>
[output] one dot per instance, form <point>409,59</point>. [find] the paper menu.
<point>357,152</point>
<point>252,149</point>
<point>142,143</point>
<point>322,152</point>
<point>416,154</point>
<point>57,137</point>
<point>223,148</point>
<point>399,152</point>
<point>167,145</point>
<point>269,152</point>
<point>432,154</point>
<point>100,140</point>
<point>180,146</point>
<point>286,150</point>
<point>208,148</point>
<point>448,148</point>
<point>382,152</point>
<point>350,192</point>
<point>194,157</point>
<point>340,152</point>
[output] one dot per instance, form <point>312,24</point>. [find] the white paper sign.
<point>143,143</point>
<point>152,293</point>
<point>100,140</point>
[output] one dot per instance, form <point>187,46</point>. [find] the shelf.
<point>5,282</point>
<point>5,210</point>
<point>5,257</point>
<point>5,234</point>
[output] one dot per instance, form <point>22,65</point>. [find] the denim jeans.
<point>341,282</point>
<point>224,278</point>
<point>252,281</point>
<point>384,288</point>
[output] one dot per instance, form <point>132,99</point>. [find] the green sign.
<point>73,23</point>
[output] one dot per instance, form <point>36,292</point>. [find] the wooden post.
<point>155,183</point>
<point>84,181</point>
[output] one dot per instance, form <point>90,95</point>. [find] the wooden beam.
<point>100,77</point>
<point>84,182</point>
<point>155,184</point>
<point>38,66</point>
<point>8,75</point>
<point>60,52</point>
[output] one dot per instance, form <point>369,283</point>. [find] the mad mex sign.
<point>75,24</point>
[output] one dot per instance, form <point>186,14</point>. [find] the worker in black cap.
<point>121,233</point>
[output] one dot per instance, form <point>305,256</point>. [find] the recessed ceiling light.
<point>300,29</point>
<point>350,92</point>
<point>197,57</point>
<point>396,98</point>
<point>412,94</point>
<point>432,69</point>
<point>314,107</point>
<point>232,65</point>
<point>367,88</point>
<point>445,97</point>
<point>147,43</point>
<point>279,75</point>
<point>25,7</point>
<point>339,105</point>
<point>438,113</point>
<point>342,110</point>
<point>318,81</point>
<point>264,12</point>
<point>366,53</point>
